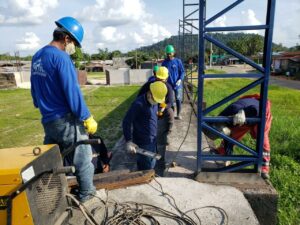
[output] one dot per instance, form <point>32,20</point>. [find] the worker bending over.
<point>246,106</point>
<point>176,76</point>
<point>142,118</point>
<point>55,91</point>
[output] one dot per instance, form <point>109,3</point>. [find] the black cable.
<point>135,213</point>
<point>186,134</point>
<point>222,211</point>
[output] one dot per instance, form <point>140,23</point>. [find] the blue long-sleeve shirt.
<point>142,116</point>
<point>176,71</point>
<point>170,94</point>
<point>54,85</point>
<point>249,105</point>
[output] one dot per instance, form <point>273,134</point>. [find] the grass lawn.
<point>20,126</point>
<point>96,75</point>
<point>284,137</point>
<point>20,121</point>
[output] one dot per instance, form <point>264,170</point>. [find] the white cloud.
<point>113,12</point>
<point>286,26</point>
<point>100,45</point>
<point>154,31</point>
<point>25,12</point>
<point>30,42</point>
<point>110,35</point>
<point>249,18</point>
<point>220,21</point>
<point>120,24</point>
<point>137,38</point>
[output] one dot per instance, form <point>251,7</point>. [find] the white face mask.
<point>150,99</point>
<point>70,48</point>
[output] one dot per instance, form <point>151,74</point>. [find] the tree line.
<point>247,44</point>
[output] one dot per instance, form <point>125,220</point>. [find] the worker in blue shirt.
<point>153,77</point>
<point>56,92</point>
<point>176,76</point>
<point>165,110</point>
<point>140,124</point>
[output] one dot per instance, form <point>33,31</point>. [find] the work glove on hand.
<point>239,118</point>
<point>178,82</point>
<point>131,147</point>
<point>90,125</point>
<point>161,109</point>
<point>225,130</point>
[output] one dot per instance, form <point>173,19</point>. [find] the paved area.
<point>294,84</point>
<point>276,80</point>
<point>183,147</point>
<point>244,68</point>
<point>204,203</point>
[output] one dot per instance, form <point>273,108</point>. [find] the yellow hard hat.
<point>162,73</point>
<point>158,90</point>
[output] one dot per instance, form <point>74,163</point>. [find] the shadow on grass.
<point>111,123</point>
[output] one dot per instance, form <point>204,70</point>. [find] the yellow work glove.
<point>90,125</point>
<point>161,109</point>
<point>163,105</point>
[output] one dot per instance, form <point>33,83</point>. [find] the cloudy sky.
<point>27,25</point>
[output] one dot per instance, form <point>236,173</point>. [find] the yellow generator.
<point>33,186</point>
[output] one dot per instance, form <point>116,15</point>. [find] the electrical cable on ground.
<point>84,211</point>
<point>135,213</point>
<point>186,134</point>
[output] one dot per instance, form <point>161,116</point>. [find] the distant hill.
<point>192,43</point>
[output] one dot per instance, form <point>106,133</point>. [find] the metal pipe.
<point>201,62</point>
<point>232,96</point>
<point>236,28</point>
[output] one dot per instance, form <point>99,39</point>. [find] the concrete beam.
<point>260,193</point>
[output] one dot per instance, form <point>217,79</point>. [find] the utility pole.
<point>135,59</point>
<point>210,58</point>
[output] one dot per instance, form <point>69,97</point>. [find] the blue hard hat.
<point>73,27</point>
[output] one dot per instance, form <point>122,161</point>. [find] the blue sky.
<point>27,25</point>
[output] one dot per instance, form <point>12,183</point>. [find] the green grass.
<point>20,126</point>
<point>214,71</point>
<point>20,121</point>
<point>284,138</point>
<point>96,75</point>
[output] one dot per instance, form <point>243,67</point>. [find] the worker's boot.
<point>178,110</point>
<point>220,151</point>
<point>265,169</point>
<point>160,167</point>
<point>168,138</point>
<point>178,117</point>
<point>265,176</point>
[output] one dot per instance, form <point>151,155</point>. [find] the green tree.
<point>254,44</point>
<point>115,54</point>
<point>238,45</point>
<point>77,57</point>
<point>138,57</point>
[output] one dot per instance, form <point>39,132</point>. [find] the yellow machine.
<point>33,185</point>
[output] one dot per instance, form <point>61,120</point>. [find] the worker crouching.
<point>140,124</point>
<point>246,106</point>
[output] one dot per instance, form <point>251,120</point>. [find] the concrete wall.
<point>139,76</point>
<point>7,80</point>
<point>126,76</point>
<point>120,76</point>
<point>22,79</point>
<point>82,77</point>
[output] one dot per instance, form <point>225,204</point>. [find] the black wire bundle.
<point>133,213</point>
